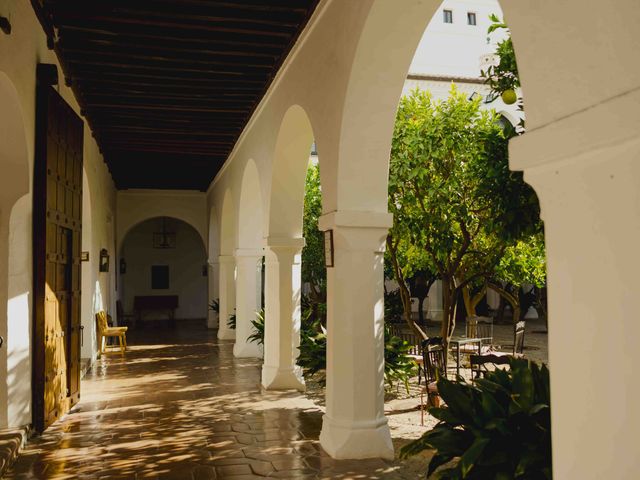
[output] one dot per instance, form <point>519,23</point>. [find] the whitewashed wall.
<point>19,54</point>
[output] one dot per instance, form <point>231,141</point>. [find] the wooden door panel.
<point>57,245</point>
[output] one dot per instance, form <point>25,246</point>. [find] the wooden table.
<point>457,341</point>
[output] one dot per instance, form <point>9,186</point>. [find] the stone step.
<point>11,441</point>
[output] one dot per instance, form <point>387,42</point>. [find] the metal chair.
<point>518,341</point>
<point>480,363</point>
<point>518,338</point>
<point>479,327</point>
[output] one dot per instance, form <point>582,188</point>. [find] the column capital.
<point>225,259</point>
<point>355,219</point>
<point>248,252</point>
<point>290,242</point>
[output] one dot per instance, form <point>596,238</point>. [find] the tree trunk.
<point>512,299</point>
<point>420,311</point>
<point>405,295</point>
<point>468,303</point>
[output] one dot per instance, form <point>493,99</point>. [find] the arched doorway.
<point>163,257</point>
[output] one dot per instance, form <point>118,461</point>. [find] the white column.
<point>586,170</point>
<point>227,289</point>
<point>354,425</point>
<point>4,276</point>
<point>212,276</point>
<point>247,301</point>
<point>282,314</point>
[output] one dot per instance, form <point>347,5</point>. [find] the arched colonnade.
<point>340,86</point>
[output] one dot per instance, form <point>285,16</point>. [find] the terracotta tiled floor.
<point>178,405</point>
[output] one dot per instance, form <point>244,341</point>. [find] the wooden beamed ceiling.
<point>168,85</point>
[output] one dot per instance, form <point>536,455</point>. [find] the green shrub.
<point>258,328</point>
<point>215,305</point>
<point>498,427</point>
<point>398,365</point>
<point>313,354</point>
<point>231,322</point>
<point>313,347</point>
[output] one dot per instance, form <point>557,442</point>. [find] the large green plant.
<point>314,272</point>
<point>313,346</point>
<point>496,428</point>
<point>399,366</point>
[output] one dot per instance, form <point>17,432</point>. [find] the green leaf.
<point>471,455</point>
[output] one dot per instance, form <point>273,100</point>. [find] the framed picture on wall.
<point>160,277</point>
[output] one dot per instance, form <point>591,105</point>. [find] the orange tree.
<point>457,207</point>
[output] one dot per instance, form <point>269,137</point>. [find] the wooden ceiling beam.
<point>86,56</point>
<point>92,45</point>
<point>116,11</point>
<point>166,107</point>
<point>245,6</point>
<point>116,23</point>
<point>165,149</point>
<point>167,86</point>
<point>211,43</point>
<point>189,80</point>
<point>186,100</point>
<point>232,72</point>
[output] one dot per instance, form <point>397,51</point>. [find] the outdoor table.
<point>457,341</point>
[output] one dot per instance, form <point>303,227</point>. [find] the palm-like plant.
<point>498,427</point>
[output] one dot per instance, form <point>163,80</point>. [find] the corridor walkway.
<point>178,405</point>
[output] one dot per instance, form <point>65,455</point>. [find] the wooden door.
<point>57,220</point>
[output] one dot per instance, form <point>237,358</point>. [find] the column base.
<point>226,334</point>
<point>356,440</point>
<point>247,350</point>
<point>274,378</point>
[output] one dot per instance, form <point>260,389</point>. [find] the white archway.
<point>283,248</point>
<point>290,163</point>
<point>227,267</point>
<point>248,260</point>
<point>15,361</point>
<point>213,252</point>
<point>185,261</point>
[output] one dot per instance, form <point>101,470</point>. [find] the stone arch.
<point>213,251</point>
<point>378,73</point>
<point>248,258</point>
<point>250,208</point>
<point>132,223</point>
<point>14,245</point>
<point>227,225</point>
<point>290,163</point>
<point>148,208</point>
<point>226,266</point>
<point>185,262</point>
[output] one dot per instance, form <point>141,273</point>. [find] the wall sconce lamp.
<point>123,266</point>
<point>5,25</point>
<point>104,260</point>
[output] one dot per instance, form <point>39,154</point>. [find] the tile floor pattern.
<point>178,405</point>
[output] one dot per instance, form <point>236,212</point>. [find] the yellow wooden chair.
<point>104,331</point>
